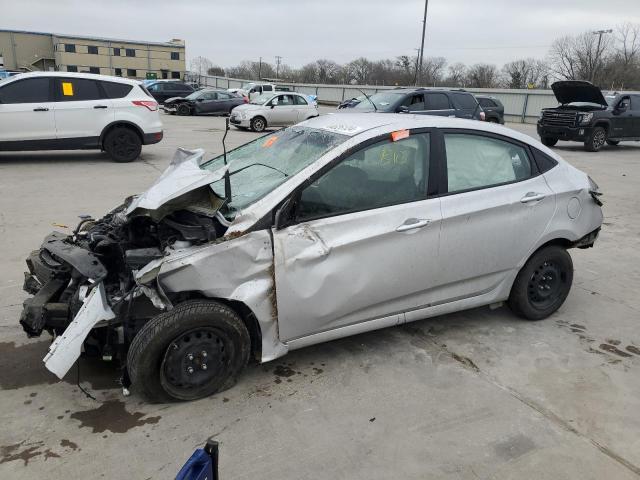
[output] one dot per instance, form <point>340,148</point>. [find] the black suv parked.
<point>493,108</point>
<point>584,115</point>
<point>446,103</point>
<point>163,90</point>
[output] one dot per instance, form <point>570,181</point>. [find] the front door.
<point>496,209</point>
<point>364,243</point>
<point>81,110</point>
<point>283,111</point>
<point>26,111</point>
<point>622,120</point>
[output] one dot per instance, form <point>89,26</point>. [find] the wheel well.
<point>129,125</point>
<point>247,316</point>
<point>604,125</point>
<point>260,116</point>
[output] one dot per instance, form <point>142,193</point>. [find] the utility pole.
<point>260,69</point>
<point>424,28</point>
<point>597,59</point>
<point>415,76</point>
<point>278,60</point>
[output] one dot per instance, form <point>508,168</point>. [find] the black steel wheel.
<point>190,352</point>
<point>183,109</point>
<point>123,144</point>
<point>543,283</point>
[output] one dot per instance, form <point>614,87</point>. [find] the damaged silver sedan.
<point>336,226</point>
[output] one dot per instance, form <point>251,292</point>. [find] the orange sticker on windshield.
<point>269,142</point>
<point>399,135</point>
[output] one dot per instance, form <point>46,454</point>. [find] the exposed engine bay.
<point>110,250</point>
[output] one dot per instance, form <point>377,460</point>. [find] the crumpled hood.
<point>577,91</point>
<point>181,176</point>
<point>174,99</point>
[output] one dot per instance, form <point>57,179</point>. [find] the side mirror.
<point>402,109</point>
<point>621,107</point>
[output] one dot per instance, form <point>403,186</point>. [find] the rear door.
<point>496,208</point>
<point>26,110</point>
<point>635,111</point>
<point>363,245</point>
<point>207,102</point>
<point>436,103</point>
<point>81,109</point>
<point>466,105</point>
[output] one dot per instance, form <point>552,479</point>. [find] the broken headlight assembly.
<point>594,191</point>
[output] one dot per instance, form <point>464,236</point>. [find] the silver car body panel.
<point>338,276</point>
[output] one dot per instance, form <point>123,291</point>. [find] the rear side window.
<point>300,100</point>
<point>77,90</point>
<point>635,102</point>
<point>486,102</point>
<point>475,161</point>
<point>544,161</point>
<point>464,100</point>
<point>436,101</point>
<point>267,88</point>
<point>116,90</point>
<point>31,90</point>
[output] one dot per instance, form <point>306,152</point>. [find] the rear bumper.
<point>576,134</point>
<point>151,138</point>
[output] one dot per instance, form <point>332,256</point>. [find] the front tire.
<point>183,110</point>
<point>549,141</point>
<point>543,283</point>
<point>258,124</point>
<point>123,144</point>
<point>190,352</point>
<point>596,140</point>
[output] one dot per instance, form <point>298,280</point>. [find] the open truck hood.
<point>569,91</point>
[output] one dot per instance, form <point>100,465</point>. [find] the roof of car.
<point>93,76</point>
<point>352,124</point>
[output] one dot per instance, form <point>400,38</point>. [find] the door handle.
<point>100,106</point>
<point>412,224</point>
<point>532,197</point>
<point>41,109</point>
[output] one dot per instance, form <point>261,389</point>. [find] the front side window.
<point>475,161</point>
<point>223,96</point>
<point>436,101</point>
<point>414,103</point>
<point>260,166</point>
<point>31,90</point>
<point>283,101</point>
<point>385,173</point>
<point>77,89</point>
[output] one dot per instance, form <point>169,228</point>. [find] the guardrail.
<point>522,106</point>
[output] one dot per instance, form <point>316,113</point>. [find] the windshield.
<point>195,95</point>
<point>258,167</point>
<point>262,99</point>
<point>610,99</point>
<point>247,86</point>
<point>384,101</point>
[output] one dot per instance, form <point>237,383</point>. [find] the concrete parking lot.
<point>478,394</point>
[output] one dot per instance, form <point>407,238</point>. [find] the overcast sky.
<point>225,31</point>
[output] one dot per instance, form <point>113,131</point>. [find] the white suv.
<point>71,111</point>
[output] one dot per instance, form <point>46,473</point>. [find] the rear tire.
<point>183,110</point>
<point>543,283</point>
<point>596,140</point>
<point>190,352</point>
<point>549,141</point>
<point>258,124</point>
<point>613,143</point>
<point>122,144</point>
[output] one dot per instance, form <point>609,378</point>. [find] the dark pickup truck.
<point>584,115</point>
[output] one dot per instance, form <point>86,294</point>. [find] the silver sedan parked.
<point>339,225</point>
<point>273,110</point>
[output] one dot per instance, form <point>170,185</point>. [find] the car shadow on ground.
<point>62,157</point>
<point>578,147</point>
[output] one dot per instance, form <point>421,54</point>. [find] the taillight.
<point>149,104</point>
<point>246,99</point>
<point>482,116</point>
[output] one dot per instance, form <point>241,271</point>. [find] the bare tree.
<point>581,57</point>
<point>201,65</point>
<point>482,75</point>
<point>361,69</point>
<point>457,75</point>
<point>216,71</point>
<point>433,70</point>
<point>525,73</point>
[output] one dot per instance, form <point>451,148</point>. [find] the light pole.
<point>597,59</point>
<point>424,28</point>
